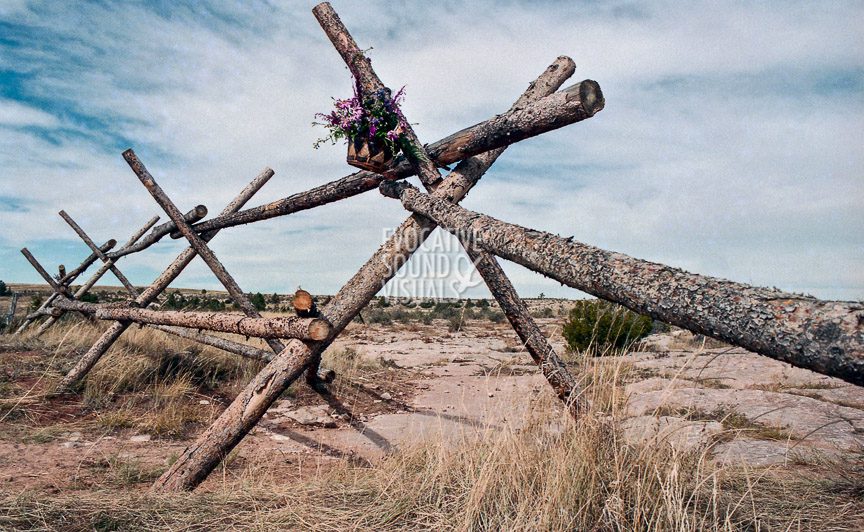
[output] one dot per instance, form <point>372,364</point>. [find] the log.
<point>158,232</point>
<point>521,122</point>
<point>197,460</point>
<point>72,275</point>
<point>66,281</point>
<point>279,327</point>
<point>369,82</point>
<point>198,244</point>
<point>83,289</point>
<point>515,310</point>
<point>61,272</point>
<point>823,336</point>
<point>304,304</point>
<point>224,344</point>
<point>57,287</point>
<point>89,359</point>
<point>104,258</point>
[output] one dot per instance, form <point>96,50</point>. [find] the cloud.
<point>729,144</point>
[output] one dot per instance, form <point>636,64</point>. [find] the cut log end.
<point>591,96</point>
<point>303,301</point>
<point>319,329</point>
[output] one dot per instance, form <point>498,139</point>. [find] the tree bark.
<point>89,359</point>
<point>66,281</point>
<point>197,243</point>
<point>158,232</point>
<point>823,336</point>
<point>104,258</point>
<point>280,327</point>
<point>361,68</point>
<point>83,289</point>
<point>57,287</point>
<point>224,344</point>
<point>521,122</point>
<point>197,460</point>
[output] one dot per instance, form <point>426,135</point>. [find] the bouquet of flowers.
<point>373,126</point>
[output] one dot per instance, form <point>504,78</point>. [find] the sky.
<point>730,145</point>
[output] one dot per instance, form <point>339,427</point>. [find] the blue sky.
<point>730,144</point>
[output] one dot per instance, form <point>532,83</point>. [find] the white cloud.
<point>723,147</point>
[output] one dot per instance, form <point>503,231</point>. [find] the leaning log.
<point>92,245</point>
<point>158,232</point>
<point>197,460</point>
<point>579,102</point>
<point>89,359</point>
<point>823,336</point>
<point>279,327</point>
<point>83,289</point>
<point>197,243</point>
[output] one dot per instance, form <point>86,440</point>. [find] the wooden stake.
<point>823,336</point>
<point>192,216</point>
<point>224,344</point>
<point>104,258</point>
<point>89,359</point>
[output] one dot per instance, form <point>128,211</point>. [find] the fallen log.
<point>279,327</point>
<point>89,359</point>
<point>823,336</point>
<point>577,103</point>
<point>199,459</point>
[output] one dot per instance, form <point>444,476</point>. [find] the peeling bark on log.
<point>823,336</point>
<point>370,83</point>
<point>92,245</point>
<point>280,327</point>
<point>216,442</point>
<point>198,244</point>
<point>98,275</point>
<point>521,122</point>
<point>89,359</point>
<point>224,344</point>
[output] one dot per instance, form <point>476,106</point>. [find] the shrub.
<point>89,297</point>
<point>599,324</point>
<point>4,290</point>
<point>258,301</point>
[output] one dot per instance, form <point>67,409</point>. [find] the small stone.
<point>70,444</point>
<point>203,402</point>
<point>140,438</point>
<point>491,394</point>
<point>74,436</point>
<point>386,396</point>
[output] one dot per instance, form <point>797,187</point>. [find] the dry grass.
<point>549,473</point>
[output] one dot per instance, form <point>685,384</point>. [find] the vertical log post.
<point>97,350</point>
<point>196,242</point>
<point>199,459</point>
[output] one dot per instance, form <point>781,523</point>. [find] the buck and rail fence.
<point>824,336</point>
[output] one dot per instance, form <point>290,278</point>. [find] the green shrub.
<point>598,324</point>
<point>4,290</point>
<point>89,297</point>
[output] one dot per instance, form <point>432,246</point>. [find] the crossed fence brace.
<point>825,336</point>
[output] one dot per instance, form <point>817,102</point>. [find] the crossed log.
<point>823,336</point>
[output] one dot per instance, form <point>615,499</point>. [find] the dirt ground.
<point>430,383</point>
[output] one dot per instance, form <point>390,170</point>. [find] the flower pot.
<point>368,155</point>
